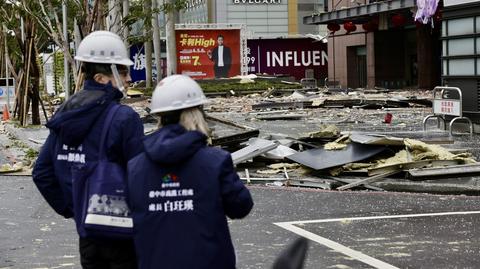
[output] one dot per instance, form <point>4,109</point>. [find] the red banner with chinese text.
<point>200,56</point>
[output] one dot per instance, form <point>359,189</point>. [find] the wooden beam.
<point>368,180</point>
<point>411,165</point>
<point>454,170</point>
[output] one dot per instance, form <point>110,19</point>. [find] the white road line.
<point>337,247</point>
<point>290,226</point>
<point>384,217</point>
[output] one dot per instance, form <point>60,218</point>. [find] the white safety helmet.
<point>103,47</point>
<point>176,92</point>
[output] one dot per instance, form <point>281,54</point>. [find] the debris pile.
<point>344,140</point>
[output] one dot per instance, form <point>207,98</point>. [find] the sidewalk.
<point>33,137</point>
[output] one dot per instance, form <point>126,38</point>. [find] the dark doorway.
<point>357,66</point>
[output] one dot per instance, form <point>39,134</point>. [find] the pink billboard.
<point>207,53</point>
<point>290,56</point>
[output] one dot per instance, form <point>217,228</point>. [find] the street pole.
<point>156,41</point>
<point>65,61</point>
<point>7,75</point>
<point>171,46</point>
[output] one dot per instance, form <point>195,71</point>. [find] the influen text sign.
<point>290,56</point>
<point>200,56</point>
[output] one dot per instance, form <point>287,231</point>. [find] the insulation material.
<point>418,151</point>
<point>334,146</point>
<point>338,144</point>
<point>422,151</point>
<point>325,132</point>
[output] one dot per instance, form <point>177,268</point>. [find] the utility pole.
<point>170,35</point>
<point>148,48</point>
<point>156,41</point>
<point>65,61</point>
<point>126,10</point>
<point>7,72</point>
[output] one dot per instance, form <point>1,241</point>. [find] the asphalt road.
<point>347,230</point>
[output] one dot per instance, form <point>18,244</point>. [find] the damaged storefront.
<point>378,44</point>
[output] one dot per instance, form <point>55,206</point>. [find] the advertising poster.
<point>208,53</point>
<point>288,56</point>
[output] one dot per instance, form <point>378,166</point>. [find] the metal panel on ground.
<point>321,159</point>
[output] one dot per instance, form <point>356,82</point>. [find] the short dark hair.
<point>91,69</point>
<point>220,36</point>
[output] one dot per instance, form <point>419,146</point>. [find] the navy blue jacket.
<point>180,193</point>
<point>75,137</point>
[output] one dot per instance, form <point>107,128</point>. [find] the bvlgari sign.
<point>243,2</point>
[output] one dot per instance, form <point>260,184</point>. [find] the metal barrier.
<point>308,83</point>
<point>444,105</point>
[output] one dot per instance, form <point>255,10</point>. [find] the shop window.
<point>444,67</point>
<point>478,45</point>
<point>478,66</point>
<point>461,67</point>
<point>444,48</point>
<point>444,28</point>
<point>462,26</point>
<point>464,46</point>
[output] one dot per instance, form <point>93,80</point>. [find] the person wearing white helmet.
<point>74,140</point>
<point>180,189</point>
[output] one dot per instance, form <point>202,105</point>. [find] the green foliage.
<point>31,154</point>
<point>219,86</point>
<point>138,13</point>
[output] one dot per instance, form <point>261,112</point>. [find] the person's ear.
<point>101,78</point>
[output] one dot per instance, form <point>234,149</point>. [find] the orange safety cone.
<point>6,114</point>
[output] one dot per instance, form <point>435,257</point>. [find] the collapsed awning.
<point>359,12</point>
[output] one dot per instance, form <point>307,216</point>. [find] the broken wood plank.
<point>281,117</point>
<point>368,180</point>
<point>351,180</point>
<point>422,187</point>
<point>309,184</point>
<point>456,170</point>
<point>411,165</point>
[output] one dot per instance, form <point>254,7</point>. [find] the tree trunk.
<point>126,10</point>
<point>100,20</point>
<point>114,19</point>
<point>170,35</point>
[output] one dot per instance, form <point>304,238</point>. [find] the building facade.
<point>263,18</point>
<point>461,52</point>
<point>377,44</point>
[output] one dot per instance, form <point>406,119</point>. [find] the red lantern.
<point>333,27</point>
<point>349,27</point>
<point>398,20</point>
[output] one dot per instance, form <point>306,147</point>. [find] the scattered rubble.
<point>334,139</point>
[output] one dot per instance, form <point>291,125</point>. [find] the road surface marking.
<point>290,226</point>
